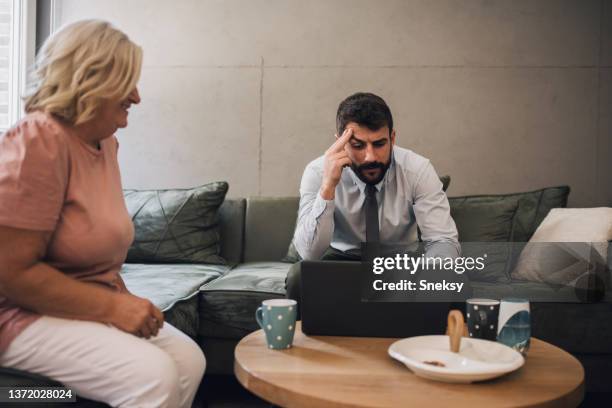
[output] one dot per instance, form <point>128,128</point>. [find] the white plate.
<point>477,359</point>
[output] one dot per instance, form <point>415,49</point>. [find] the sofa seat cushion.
<point>172,288</point>
<point>228,304</point>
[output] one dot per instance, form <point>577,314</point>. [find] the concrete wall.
<point>502,95</point>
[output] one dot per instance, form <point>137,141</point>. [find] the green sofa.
<point>215,304</point>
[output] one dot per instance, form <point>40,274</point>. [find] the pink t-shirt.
<point>51,180</point>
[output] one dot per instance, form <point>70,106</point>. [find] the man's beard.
<point>359,171</point>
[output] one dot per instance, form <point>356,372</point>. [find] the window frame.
<point>22,49</point>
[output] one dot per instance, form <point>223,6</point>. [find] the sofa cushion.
<point>481,224</point>
<point>175,226</point>
<point>569,243</point>
<point>532,207</point>
<point>483,221</point>
<point>269,227</point>
<point>172,288</point>
<point>228,304</point>
<point>231,229</point>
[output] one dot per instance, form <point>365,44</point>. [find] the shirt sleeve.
<point>315,224</point>
<point>33,175</point>
<point>432,213</point>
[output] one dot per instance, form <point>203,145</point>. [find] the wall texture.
<point>502,95</point>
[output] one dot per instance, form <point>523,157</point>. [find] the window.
<point>5,50</point>
<point>17,36</point>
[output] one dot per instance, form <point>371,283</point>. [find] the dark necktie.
<point>371,210</point>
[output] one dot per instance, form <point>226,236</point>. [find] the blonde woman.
<point>64,234</point>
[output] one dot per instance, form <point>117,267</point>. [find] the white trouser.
<point>103,363</point>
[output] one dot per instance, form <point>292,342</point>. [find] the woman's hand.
<point>136,315</point>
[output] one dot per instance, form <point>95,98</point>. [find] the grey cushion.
<point>269,227</point>
<point>532,207</point>
<point>481,224</point>
<point>482,221</point>
<point>173,226</point>
<point>172,288</point>
<point>228,304</point>
<point>231,229</point>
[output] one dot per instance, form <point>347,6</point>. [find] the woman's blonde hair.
<point>81,65</point>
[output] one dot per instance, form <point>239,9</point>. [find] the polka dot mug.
<point>482,315</point>
<point>276,317</point>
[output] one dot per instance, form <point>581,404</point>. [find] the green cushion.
<point>483,221</point>
<point>176,226</point>
<point>532,207</point>
<point>231,229</point>
<point>228,304</point>
<point>293,256</point>
<point>480,224</point>
<point>172,288</point>
<point>270,222</point>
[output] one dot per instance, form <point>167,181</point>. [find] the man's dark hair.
<point>365,109</point>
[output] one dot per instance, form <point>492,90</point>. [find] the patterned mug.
<point>482,318</point>
<point>514,328</point>
<point>277,319</point>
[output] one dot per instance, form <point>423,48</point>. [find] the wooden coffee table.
<point>322,371</point>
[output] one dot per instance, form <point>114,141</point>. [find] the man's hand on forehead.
<point>341,141</point>
<point>336,158</point>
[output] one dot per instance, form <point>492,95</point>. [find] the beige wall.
<point>502,95</point>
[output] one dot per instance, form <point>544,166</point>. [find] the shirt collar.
<point>389,176</point>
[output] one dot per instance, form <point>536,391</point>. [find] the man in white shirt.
<point>366,189</point>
